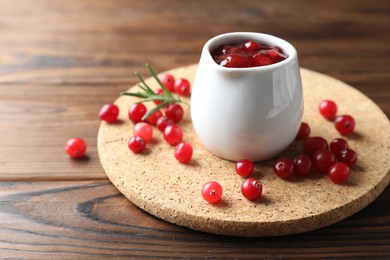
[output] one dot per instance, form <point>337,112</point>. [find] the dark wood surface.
<point>60,61</point>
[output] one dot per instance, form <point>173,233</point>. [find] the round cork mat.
<point>158,184</point>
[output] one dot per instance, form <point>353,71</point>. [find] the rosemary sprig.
<point>147,94</point>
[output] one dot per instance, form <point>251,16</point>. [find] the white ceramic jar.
<point>247,113</point>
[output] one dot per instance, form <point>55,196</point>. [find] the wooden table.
<point>60,61</point>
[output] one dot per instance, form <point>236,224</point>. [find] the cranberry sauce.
<point>247,54</point>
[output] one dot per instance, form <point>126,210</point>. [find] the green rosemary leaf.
<point>150,112</point>
<point>166,91</point>
<point>146,90</point>
<point>144,83</point>
<point>138,94</point>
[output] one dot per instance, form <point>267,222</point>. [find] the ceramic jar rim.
<point>232,37</point>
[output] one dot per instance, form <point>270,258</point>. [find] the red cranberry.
<point>284,168</point>
<point>322,159</point>
<point>304,131</point>
<point>314,144</point>
<point>347,156</point>
<point>339,172</point>
<point>302,165</point>
<point>338,144</point>
<point>345,124</point>
<point>328,109</point>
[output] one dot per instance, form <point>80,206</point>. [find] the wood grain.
<point>61,60</point>
<point>90,219</point>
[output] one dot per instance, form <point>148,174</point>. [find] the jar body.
<point>247,113</point>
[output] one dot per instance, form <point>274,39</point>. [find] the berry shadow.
<point>118,122</point>
<point>354,136</point>
<point>222,204</point>
<point>193,163</point>
<point>83,159</point>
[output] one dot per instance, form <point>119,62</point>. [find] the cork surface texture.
<point>160,185</point>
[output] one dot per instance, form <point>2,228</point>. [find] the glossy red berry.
<point>136,144</point>
<point>244,168</point>
<point>159,92</point>
<point>152,119</point>
<point>275,55</point>
<point>262,60</point>
<point>339,172</point>
<point>345,124</point>
<point>252,46</point>
<point>347,156</point>
<point>183,152</point>
<point>75,147</point>
<point>338,144</point>
<point>182,87</point>
<point>284,168</point>
<point>175,112</point>
<point>143,130</point>
<point>302,165</point>
<point>236,61</point>
<point>251,189</point>
<point>323,159</point>
<point>328,109</point>
<point>109,113</point>
<point>173,135</point>
<point>136,112</point>
<point>212,191</point>
<point>304,131</point>
<point>169,82</point>
<point>163,122</point>
<point>314,144</point>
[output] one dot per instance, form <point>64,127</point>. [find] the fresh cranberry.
<point>152,119</point>
<point>109,113</point>
<point>163,122</point>
<point>284,168</point>
<point>339,172</point>
<point>212,191</point>
<point>137,144</point>
<point>345,124</point>
<point>347,156</point>
<point>174,112</point>
<point>244,168</point>
<point>322,159</point>
<point>143,130</point>
<point>182,87</point>
<point>338,144</point>
<point>75,147</point>
<point>173,134</point>
<point>136,112</point>
<point>302,165</point>
<point>183,152</point>
<point>314,144</point>
<point>304,131</point>
<point>169,82</point>
<point>251,189</point>
<point>328,109</point>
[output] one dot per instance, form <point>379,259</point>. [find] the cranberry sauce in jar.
<point>247,54</point>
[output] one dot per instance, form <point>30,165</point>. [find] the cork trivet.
<point>160,185</point>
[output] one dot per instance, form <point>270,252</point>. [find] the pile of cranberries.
<point>165,121</point>
<point>334,158</point>
<point>247,54</point>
